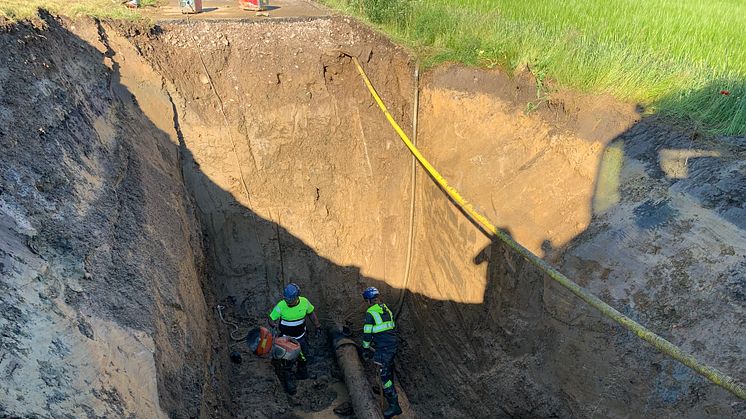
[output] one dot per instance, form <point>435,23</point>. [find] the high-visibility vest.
<point>383,321</point>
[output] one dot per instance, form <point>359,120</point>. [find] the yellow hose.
<point>641,331</point>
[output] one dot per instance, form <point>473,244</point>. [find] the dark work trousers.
<point>384,357</point>
<point>304,350</point>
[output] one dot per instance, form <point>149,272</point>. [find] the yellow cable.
<point>641,331</point>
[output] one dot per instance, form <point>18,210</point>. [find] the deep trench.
<point>297,178</point>
<point>236,157</point>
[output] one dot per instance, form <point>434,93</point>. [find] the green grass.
<point>673,56</point>
<point>27,9</point>
<point>153,3</point>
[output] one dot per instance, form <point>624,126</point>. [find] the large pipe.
<point>361,396</point>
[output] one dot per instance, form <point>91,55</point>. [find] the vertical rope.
<point>413,181</point>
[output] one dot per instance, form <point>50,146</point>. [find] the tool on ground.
<point>263,343</point>
<point>254,5</point>
<point>190,6</point>
<point>282,350</point>
<point>233,324</point>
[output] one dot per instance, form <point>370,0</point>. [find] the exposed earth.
<point>150,174</point>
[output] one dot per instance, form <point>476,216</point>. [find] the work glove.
<point>368,354</point>
<point>274,331</point>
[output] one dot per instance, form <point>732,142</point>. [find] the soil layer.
<point>152,174</point>
<point>103,313</point>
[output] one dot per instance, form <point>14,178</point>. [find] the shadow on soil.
<point>529,350</point>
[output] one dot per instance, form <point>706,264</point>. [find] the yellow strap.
<point>641,331</point>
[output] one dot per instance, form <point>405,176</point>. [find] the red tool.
<point>254,5</point>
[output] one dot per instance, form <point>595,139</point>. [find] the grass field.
<point>24,9</point>
<point>673,56</point>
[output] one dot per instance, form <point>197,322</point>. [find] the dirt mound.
<point>159,172</point>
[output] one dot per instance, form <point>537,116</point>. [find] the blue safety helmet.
<point>370,293</point>
<point>291,292</point>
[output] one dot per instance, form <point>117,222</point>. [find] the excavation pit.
<point>152,174</point>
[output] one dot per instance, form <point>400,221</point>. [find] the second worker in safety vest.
<point>291,312</point>
<point>379,332</point>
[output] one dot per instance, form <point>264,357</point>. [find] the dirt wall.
<point>531,171</point>
<point>102,307</point>
<point>108,134</point>
<point>595,190</point>
<point>322,195</point>
<point>296,177</point>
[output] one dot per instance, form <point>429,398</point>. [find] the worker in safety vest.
<point>379,333</point>
<point>291,313</point>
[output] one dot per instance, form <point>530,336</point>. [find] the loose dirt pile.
<point>156,173</point>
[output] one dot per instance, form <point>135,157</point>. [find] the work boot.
<point>285,374</point>
<point>288,382</point>
<point>302,373</point>
<point>394,409</point>
<point>289,387</point>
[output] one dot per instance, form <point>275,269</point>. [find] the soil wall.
<point>149,175</point>
<point>103,313</point>
<point>596,191</point>
<point>296,177</point>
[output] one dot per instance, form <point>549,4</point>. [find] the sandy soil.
<point>583,182</point>
<point>286,189</point>
<point>103,313</point>
<point>209,163</point>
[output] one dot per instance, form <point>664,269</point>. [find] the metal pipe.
<point>361,396</point>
